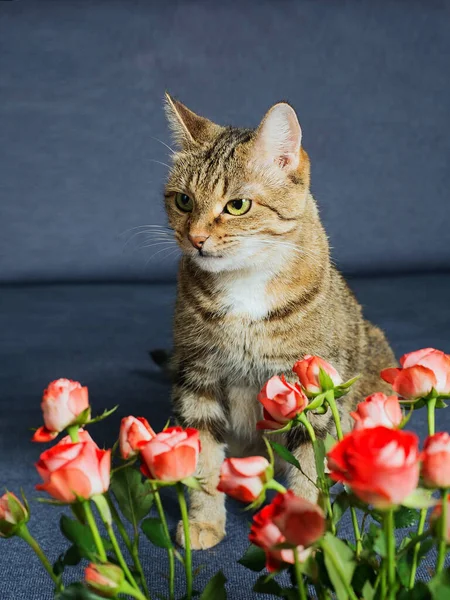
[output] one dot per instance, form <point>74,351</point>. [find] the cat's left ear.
<point>278,138</point>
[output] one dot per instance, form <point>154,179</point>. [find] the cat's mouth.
<point>206,254</point>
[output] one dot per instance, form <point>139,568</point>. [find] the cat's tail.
<point>163,358</point>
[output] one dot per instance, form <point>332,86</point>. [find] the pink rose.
<point>378,409</point>
<point>171,455</point>
<point>265,534</point>
<point>282,402</point>
<point>301,522</point>
<point>421,371</point>
<point>106,579</point>
<point>243,478</point>
<point>12,514</point>
<point>72,471</point>
<point>436,461</point>
<point>133,431</point>
<point>380,465</point>
<point>62,403</point>
<point>308,370</point>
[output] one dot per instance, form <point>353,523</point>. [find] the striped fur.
<point>265,294</point>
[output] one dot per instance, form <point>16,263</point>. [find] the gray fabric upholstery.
<point>100,335</point>
<point>81,91</point>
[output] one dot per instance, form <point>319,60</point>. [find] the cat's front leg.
<point>302,483</point>
<point>207,513</point>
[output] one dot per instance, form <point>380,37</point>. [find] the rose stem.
<point>116,548</point>
<point>73,433</point>
<point>170,551</point>
<point>95,533</point>
<point>442,547</point>
<point>390,541</point>
<point>187,541</point>
<point>29,539</point>
<point>299,576</point>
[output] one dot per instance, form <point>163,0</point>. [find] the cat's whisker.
<point>159,163</point>
<point>163,143</point>
<point>155,254</point>
<point>150,236</point>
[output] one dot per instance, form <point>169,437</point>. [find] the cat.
<point>256,292</point>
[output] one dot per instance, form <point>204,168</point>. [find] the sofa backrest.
<point>81,89</point>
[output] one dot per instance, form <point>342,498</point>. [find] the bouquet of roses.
<point>388,484</point>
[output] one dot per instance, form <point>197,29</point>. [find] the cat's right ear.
<point>188,129</point>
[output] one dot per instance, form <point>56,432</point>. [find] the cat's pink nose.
<point>197,240</point>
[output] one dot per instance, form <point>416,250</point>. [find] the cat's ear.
<point>188,129</point>
<point>278,138</point>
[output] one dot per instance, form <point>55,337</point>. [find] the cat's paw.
<point>203,535</point>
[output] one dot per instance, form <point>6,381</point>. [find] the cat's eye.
<point>183,202</point>
<point>238,207</point>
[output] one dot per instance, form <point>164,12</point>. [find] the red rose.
<point>282,402</point>
<point>421,371</point>
<point>265,534</point>
<point>308,370</point>
<point>62,403</point>
<point>436,461</point>
<point>74,470</point>
<point>243,478</point>
<point>378,409</point>
<point>301,522</point>
<point>435,518</point>
<point>380,465</point>
<point>171,455</point>
<point>133,431</point>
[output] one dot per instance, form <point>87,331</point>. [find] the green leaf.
<point>364,574</point>
<point>319,456</point>
<point>418,592</point>
<point>76,591</point>
<point>405,517</point>
<point>340,505</point>
<point>380,546</point>
<point>267,585</point>
<point>193,483</point>
<point>329,443</point>
<point>154,531</point>
<point>368,592</point>
<point>71,558</point>
<point>420,498</point>
<point>215,588</point>
<point>133,495</point>
<point>285,454</point>
<point>253,559</point>
<point>439,586</point>
<point>344,557</point>
<point>326,383</point>
<point>80,535</point>
<point>104,415</point>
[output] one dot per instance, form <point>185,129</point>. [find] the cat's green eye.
<point>238,207</point>
<point>183,202</point>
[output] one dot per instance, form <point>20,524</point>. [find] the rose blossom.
<point>171,455</point>
<point>421,371</point>
<point>133,431</point>
<point>436,461</point>
<point>62,403</point>
<point>265,534</point>
<point>12,514</point>
<point>282,402</point>
<point>106,579</point>
<point>381,465</point>
<point>378,409</point>
<point>308,368</point>
<point>74,470</point>
<point>243,478</point>
<point>300,521</point>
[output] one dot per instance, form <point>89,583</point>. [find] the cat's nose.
<point>197,240</point>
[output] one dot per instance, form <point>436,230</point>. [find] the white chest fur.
<point>246,294</point>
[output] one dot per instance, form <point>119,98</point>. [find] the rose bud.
<point>301,522</point>
<point>62,403</point>
<point>133,431</point>
<point>265,534</point>
<point>74,471</point>
<point>308,369</point>
<point>171,455</point>
<point>436,461</point>
<point>421,371</point>
<point>282,402</point>
<point>12,514</point>
<point>378,409</point>
<point>380,465</point>
<point>244,478</point>
<point>105,579</point>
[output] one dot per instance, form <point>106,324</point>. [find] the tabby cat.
<point>256,292</point>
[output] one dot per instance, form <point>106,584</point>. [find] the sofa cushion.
<point>101,335</point>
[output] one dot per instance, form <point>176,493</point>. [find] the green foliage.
<point>133,495</point>
<point>326,383</point>
<point>215,588</point>
<point>363,579</point>
<point>374,540</point>
<point>70,558</point>
<point>330,442</point>
<point>405,517</point>
<point>76,591</point>
<point>285,454</point>
<point>340,505</point>
<point>80,535</point>
<point>439,586</point>
<point>340,564</point>
<point>419,592</point>
<point>319,455</point>
<point>154,531</point>
<point>253,559</point>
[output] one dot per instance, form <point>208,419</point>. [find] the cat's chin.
<point>216,264</point>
